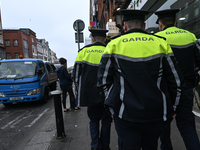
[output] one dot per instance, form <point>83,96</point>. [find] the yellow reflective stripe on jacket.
<point>173,33</point>
<point>84,54</point>
<point>137,45</point>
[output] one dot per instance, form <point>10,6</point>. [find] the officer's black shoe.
<point>94,148</point>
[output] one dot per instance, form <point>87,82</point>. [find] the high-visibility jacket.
<point>140,78</point>
<point>185,48</point>
<point>85,74</point>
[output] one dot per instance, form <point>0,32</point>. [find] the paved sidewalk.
<point>76,125</point>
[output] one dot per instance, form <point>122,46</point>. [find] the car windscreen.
<point>17,69</point>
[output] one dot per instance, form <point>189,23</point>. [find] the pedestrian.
<point>185,48</point>
<point>85,78</point>
<point>141,82</point>
<point>66,85</point>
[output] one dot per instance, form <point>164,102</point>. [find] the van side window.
<point>41,66</point>
<point>49,68</point>
<point>54,68</point>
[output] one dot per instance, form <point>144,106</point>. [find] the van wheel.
<point>45,96</point>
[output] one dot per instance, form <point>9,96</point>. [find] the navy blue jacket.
<point>64,76</point>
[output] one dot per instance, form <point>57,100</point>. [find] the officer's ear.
<point>125,27</point>
<point>93,40</point>
<point>161,26</point>
<point>144,26</point>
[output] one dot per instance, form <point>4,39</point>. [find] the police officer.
<point>133,74</point>
<point>85,78</point>
<point>184,46</point>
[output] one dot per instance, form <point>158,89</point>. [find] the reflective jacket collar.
<point>168,26</point>
<point>135,30</point>
<point>99,44</point>
<point>93,44</point>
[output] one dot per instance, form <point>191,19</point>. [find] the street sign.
<point>80,37</point>
<point>79,25</point>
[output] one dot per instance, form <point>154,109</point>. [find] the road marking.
<point>36,119</point>
<point>7,114</point>
<point>13,121</point>
<point>29,115</point>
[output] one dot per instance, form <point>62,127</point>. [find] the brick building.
<point>2,48</point>
<point>105,14</point>
<point>19,42</point>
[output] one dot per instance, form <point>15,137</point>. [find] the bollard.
<point>58,114</point>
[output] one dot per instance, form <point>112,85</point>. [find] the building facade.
<point>2,47</point>
<point>104,14</point>
<point>189,16</point>
<point>19,42</point>
<point>43,49</point>
<point>53,56</point>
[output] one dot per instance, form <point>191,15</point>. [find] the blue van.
<point>24,80</point>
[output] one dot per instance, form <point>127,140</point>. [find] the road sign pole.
<point>77,25</point>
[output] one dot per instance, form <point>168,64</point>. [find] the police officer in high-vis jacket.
<point>85,77</point>
<point>185,48</point>
<point>141,83</point>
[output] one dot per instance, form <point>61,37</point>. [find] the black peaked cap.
<point>166,13</point>
<point>98,32</point>
<point>132,14</point>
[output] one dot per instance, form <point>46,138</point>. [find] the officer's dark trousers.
<point>137,136</point>
<point>185,121</point>
<point>65,89</point>
<point>100,139</point>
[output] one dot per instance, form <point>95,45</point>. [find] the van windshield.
<point>17,69</point>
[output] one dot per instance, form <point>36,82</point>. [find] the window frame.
<point>15,44</point>
<point>7,43</point>
<point>7,56</point>
<point>17,57</point>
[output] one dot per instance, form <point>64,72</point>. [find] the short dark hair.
<point>99,39</point>
<point>131,23</point>
<point>62,61</point>
<point>167,20</point>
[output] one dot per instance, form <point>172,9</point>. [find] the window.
<point>8,56</point>
<point>7,42</point>
<point>15,42</point>
<point>25,44</point>
<point>1,39</point>
<point>2,54</point>
<point>34,49</point>
<point>32,40</point>
<point>41,66</point>
<point>54,68</point>
<point>26,53</point>
<point>49,68</point>
<point>16,55</point>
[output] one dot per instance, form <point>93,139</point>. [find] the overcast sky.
<point>49,19</point>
